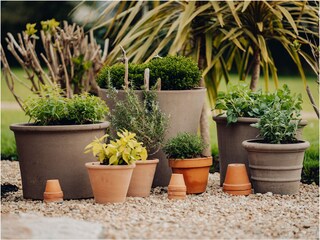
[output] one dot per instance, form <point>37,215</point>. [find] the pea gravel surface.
<point>211,215</point>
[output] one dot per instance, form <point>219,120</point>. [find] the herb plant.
<point>175,72</point>
<point>184,145</point>
<point>51,107</point>
<point>278,125</point>
<point>142,117</point>
<point>240,101</point>
<point>125,150</point>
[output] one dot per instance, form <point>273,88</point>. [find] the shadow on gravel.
<point>6,188</point>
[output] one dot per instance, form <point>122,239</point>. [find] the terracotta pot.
<point>177,187</point>
<point>53,192</point>
<point>55,152</point>
<point>142,178</point>
<point>275,168</point>
<point>173,104</point>
<point>110,183</point>
<point>195,172</point>
<point>230,138</point>
<point>237,180</point>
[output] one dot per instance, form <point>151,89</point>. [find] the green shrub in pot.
<point>184,153</point>
<point>52,146</point>
<point>184,145</point>
<point>175,72</point>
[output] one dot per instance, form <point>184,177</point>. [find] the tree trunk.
<point>204,124</point>
<point>256,71</point>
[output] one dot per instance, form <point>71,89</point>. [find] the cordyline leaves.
<point>146,29</point>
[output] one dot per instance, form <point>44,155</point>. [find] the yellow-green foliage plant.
<point>125,150</point>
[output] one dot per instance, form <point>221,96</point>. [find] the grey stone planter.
<point>275,168</point>
<point>55,152</point>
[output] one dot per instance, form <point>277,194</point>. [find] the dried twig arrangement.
<point>71,58</point>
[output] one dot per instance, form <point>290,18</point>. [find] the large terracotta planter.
<point>230,138</point>
<point>184,110</point>
<point>142,178</point>
<point>110,183</point>
<point>275,168</point>
<point>195,172</point>
<point>55,152</point>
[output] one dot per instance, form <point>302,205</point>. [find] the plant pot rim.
<point>167,91</point>
<point>98,166</point>
<point>255,145</point>
<point>148,161</point>
<point>53,128</point>
<point>190,162</point>
<point>223,118</point>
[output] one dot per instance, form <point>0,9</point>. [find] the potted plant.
<point>144,118</point>
<point>177,80</point>
<point>184,153</point>
<point>242,107</point>
<point>51,147</point>
<point>110,177</point>
<point>276,160</point>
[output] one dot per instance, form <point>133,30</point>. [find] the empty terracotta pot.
<point>237,180</point>
<point>142,178</point>
<point>53,192</point>
<point>177,187</point>
<point>195,172</point>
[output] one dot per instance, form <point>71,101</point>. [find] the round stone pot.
<point>55,152</point>
<point>230,138</point>
<point>184,110</point>
<point>275,168</point>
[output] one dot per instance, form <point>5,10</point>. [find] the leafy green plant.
<point>184,145</point>
<point>116,75</point>
<point>175,72</point>
<point>240,101</point>
<point>51,107</point>
<point>142,117</point>
<point>310,171</point>
<point>125,150</point>
<point>278,125</point>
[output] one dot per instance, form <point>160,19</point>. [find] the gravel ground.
<point>212,214</point>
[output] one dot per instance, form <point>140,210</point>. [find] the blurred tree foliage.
<point>16,14</point>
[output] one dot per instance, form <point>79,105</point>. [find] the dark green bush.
<point>116,74</point>
<point>52,108</point>
<point>310,171</point>
<point>176,73</point>
<point>184,145</point>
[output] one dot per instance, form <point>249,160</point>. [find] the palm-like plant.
<point>217,34</point>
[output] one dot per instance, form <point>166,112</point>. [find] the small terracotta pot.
<point>237,180</point>
<point>109,183</point>
<point>177,187</point>
<point>53,192</point>
<point>142,178</point>
<point>195,172</point>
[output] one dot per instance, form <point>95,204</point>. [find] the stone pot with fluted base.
<point>275,168</point>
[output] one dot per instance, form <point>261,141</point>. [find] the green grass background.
<point>310,132</point>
